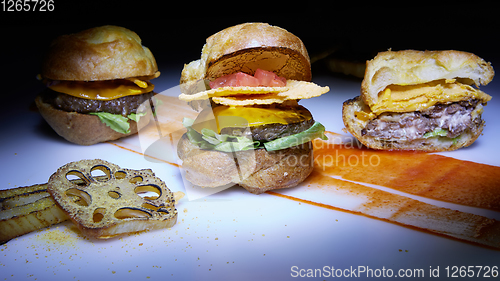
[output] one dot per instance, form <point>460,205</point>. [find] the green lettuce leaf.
<point>317,130</point>
<point>136,116</point>
<point>208,139</point>
<point>187,122</point>
<point>114,121</point>
<point>440,132</point>
<point>437,132</point>
<point>117,122</point>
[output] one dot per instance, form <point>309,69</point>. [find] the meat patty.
<point>454,117</point>
<point>123,106</point>
<point>269,132</point>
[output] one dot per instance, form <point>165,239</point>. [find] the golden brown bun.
<point>100,53</point>
<point>258,170</point>
<point>355,125</point>
<point>411,67</point>
<point>246,47</point>
<point>83,129</point>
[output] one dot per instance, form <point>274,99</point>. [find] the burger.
<point>96,81</point>
<point>250,131</point>
<point>420,100</point>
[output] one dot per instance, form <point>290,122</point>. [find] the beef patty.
<point>123,106</point>
<point>454,117</point>
<point>269,132</point>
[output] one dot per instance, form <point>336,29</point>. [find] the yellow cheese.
<point>241,117</point>
<point>138,82</point>
<point>102,90</point>
<point>365,115</point>
<point>397,98</point>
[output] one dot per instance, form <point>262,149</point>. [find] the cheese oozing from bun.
<point>101,90</point>
<point>222,116</point>
<point>420,100</point>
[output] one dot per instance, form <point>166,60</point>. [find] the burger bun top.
<point>246,47</point>
<point>96,54</point>
<point>411,67</point>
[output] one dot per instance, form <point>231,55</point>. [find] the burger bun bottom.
<point>255,170</point>
<point>82,129</point>
<point>355,126</point>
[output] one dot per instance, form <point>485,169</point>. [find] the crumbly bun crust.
<point>100,53</point>
<point>82,129</point>
<point>258,170</point>
<point>410,67</point>
<point>355,125</point>
<point>246,47</point>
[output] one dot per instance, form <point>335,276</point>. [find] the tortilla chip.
<point>241,96</point>
<point>230,91</point>
<point>243,100</point>
<point>302,90</point>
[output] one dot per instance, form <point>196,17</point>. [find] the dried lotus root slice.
<point>108,201</point>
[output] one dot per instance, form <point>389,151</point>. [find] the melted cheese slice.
<point>221,117</point>
<point>102,90</point>
<point>397,98</point>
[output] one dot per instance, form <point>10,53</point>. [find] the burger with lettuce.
<point>251,130</point>
<point>97,80</point>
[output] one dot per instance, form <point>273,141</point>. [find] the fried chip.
<point>230,91</point>
<point>302,90</point>
<point>243,100</point>
<point>242,96</point>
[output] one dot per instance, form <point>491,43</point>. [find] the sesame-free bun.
<point>246,47</point>
<point>82,129</point>
<point>255,170</point>
<point>355,126</point>
<point>430,107</point>
<point>100,53</point>
<point>410,67</point>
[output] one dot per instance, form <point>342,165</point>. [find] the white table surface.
<point>228,235</point>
